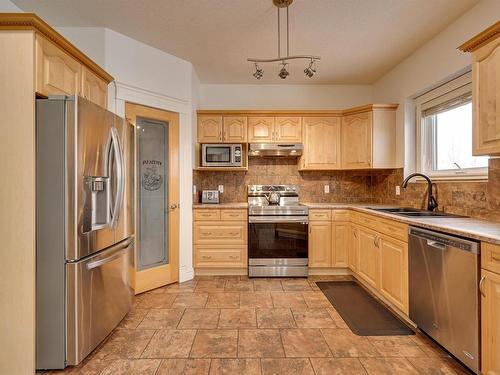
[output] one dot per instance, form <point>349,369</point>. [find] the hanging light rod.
<point>283,73</point>
<point>306,57</point>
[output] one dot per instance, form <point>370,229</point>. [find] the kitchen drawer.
<point>220,256</point>
<point>207,214</point>
<point>233,214</point>
<point>367,220</point>
<point>320,215</point>
<point>393,229</point>
<point>221,232</point>
<point>490,257</point>
<point>341,215</point>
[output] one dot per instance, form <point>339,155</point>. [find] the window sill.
<point>454,178</point>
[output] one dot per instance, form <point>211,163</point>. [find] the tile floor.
<point>236,325</point>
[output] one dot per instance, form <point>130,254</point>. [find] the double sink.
<point>412,212</point>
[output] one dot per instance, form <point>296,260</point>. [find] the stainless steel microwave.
<point>221,155</point>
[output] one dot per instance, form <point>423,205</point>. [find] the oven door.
<point>217,155</point>
<point>278,238</point>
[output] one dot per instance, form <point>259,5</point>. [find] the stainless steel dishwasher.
<point>444,293</point>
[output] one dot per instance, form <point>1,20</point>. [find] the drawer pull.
<point>206,256</point>
<point>207,233</point>
<point>233,256</point>
<point>233,215</point>
<point>495,258</point>
<point>234,233</point>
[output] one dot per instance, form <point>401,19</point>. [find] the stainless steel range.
<point>278,227</point>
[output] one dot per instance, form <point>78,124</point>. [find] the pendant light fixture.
<point>309,71</point>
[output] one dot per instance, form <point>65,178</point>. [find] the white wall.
<point>148,76</point>
<point>435,62</point>
<point>213,96</point>
<point>8,7</point>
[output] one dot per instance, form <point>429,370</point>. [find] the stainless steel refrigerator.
<point>84,221</point>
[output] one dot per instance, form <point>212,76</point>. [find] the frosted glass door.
<point>152,148</point>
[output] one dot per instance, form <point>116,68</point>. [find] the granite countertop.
<point>221,205</point>
<point>478,229</point>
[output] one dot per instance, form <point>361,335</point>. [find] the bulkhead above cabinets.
<point>356,138</point>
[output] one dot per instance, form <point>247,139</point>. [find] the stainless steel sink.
<point>413,212</point>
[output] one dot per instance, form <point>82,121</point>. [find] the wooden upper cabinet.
<point>234,129</point>
<point>490,323</point>
<point>209,129</point>
<point>94,88</point>
<point>485,49</point>
<point>357,141</point>
<point>56,71</point>
<point>261,129</point>
<point>288,129</point>
<point>321,143</point>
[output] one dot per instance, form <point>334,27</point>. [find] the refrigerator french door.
<point>84,227</point>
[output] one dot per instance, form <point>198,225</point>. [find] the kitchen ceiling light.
<point>283,73</point>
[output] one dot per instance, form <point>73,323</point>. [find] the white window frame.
<point>424,137</point>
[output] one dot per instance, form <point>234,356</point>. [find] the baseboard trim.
<point>186,274</point>
<point>221,271</point>
<point>329,271</point>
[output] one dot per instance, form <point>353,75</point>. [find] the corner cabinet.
<point>485,49</point>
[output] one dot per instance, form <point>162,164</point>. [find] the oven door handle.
<point>278,219</point>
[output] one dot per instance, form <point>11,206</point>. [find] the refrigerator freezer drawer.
<point>99,295</point>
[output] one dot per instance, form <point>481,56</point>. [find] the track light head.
<point>310,70</point>
<point>259,72</point>
<point>283,72</point>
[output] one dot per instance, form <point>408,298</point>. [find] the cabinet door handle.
<point>355,234</point>
<point>220,135</point>
<point>481,284</point>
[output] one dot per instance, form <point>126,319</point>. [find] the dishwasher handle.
<point>436,244</point>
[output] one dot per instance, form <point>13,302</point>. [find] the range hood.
<point>275,149</point>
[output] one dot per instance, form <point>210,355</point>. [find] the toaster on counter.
<point>210,196</point>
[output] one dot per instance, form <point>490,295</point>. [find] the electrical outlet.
<point>221,189</point>
<point>194,189</point>
<point>398,190</point>
<point>326,189</point>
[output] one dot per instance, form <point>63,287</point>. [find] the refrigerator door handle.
<point>122,248</point>
<point>120,177</point>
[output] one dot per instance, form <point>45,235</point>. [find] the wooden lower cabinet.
<point>369,257</point>
<point>490,323</point>
<point>320,243</point>
<point>340,244</point>
<point>394,271</point>
<point>220,256</point>
<point>220,238</point>
<point>353,257</point>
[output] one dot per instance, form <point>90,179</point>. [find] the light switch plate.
<point>326,189</point>
<point>221,189</point>
<point>194,189</point>
<point>398,190</point>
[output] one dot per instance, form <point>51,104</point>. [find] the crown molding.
<point>481,39</point>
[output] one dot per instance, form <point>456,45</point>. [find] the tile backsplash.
<point>476,199</point>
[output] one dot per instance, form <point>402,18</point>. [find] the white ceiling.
<point>358,40</point>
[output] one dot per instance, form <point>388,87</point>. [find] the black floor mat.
<point>364,315</point>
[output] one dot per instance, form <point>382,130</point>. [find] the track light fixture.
<point>283,73</point>
<point>310,70</point>
<point>259,72</point>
